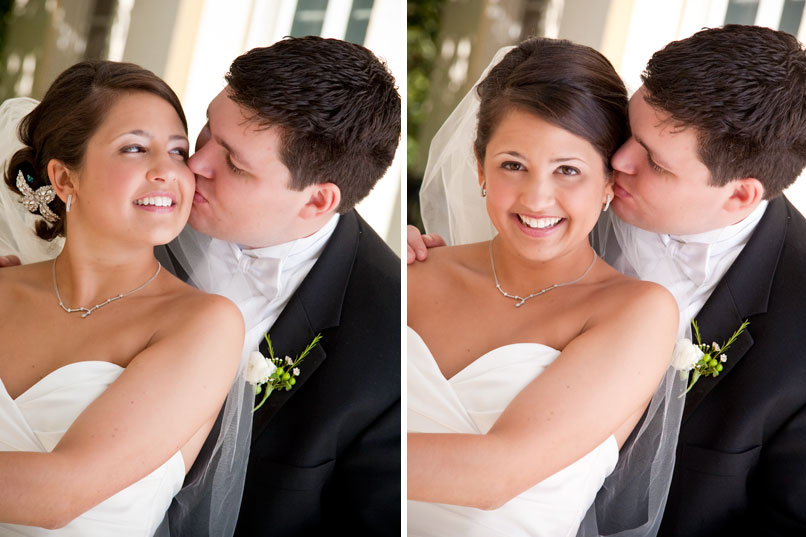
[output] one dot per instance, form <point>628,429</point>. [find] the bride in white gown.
<point>530,360</point>
<point>112,371</point>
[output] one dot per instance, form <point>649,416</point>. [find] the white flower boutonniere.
<point>272,373</point>
<point>703,359</point>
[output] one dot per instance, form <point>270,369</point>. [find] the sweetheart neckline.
<point>58,369</point>
<point>475,360</point>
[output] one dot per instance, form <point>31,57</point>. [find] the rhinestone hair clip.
<point>37,200</point>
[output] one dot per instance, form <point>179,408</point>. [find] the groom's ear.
<point>746,194</point>
<point>62,179</point>
<point>324,199</point>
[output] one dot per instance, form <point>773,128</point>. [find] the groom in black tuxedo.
<point>718,132</point>
<point>302,132</point>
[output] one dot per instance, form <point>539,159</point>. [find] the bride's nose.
<point>537,193</point>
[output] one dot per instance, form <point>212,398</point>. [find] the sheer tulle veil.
<point>633,497</point>
<point>209,501</point>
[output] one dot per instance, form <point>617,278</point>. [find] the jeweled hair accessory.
<point>37,200</point>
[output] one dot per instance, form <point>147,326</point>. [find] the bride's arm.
<point>170,390</point>
<point>604,376</point>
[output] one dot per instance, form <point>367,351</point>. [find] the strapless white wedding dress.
<point>36,421</point>
<point>470,402</point>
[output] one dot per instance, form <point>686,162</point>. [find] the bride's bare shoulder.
<point>446,271</point>
<point>22,278</point>
<point>447,258</point>
<point>190,305</point>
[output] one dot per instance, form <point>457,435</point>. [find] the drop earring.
<point>607,204</point>
<point>69,202</point>
<point>484,189</point>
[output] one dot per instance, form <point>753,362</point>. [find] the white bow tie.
<point>262,272</point>
<point>690,257</point>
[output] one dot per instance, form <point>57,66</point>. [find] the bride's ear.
<point>62,179</point>
<point>479,167</point>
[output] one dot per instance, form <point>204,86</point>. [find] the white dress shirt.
<point>689,266</point>
<point>272,275</point>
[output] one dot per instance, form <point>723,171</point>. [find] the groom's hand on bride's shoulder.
<point>417,245</point>
<point>9,261</point>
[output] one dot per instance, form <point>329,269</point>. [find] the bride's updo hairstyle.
<point>73,108</point>
<point>571,86</point>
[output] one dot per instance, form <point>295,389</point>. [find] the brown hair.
<point>569,85</point>
<point>71,111</point>
<point>336,106</point>
<point>744,89</point>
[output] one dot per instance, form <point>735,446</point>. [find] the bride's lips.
<point>198,198</point>
<point>538,232</point>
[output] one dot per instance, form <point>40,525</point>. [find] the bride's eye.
<point>181,151</point>
<point>513,166</point>
<point>133,148</point>
<point>568,170</point>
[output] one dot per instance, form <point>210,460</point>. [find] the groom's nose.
<point>199,162</point>
<point>624,160</point>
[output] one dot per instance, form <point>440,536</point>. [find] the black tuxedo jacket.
<point>325,456</point>
<point>741,456</point>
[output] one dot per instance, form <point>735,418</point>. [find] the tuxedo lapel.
<point>743,292</point>
<point>315,307</point>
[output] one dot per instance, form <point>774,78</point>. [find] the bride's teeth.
<point>157,201</point>
<point>538,223</point>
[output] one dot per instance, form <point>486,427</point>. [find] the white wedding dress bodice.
<point>470,402</point>
<point>37,420</point>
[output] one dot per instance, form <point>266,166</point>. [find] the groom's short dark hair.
<point>336,106</point>
<point>744,89</point>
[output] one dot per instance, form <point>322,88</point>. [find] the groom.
<point>302,132</point>
<point>718,131</point>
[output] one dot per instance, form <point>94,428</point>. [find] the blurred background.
<point>190,44</point>
<point>450,42</point>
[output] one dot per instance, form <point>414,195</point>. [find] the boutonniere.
<point>272,373</point>
<point>703,359</point>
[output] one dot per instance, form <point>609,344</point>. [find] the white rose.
<point>258,368</point>
<point>686,355</point>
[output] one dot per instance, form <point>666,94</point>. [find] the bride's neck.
<point>86,276</point>
<point>519,275</point>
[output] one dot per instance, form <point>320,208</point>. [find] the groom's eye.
<point>654,166</point>
<point>233,168</point>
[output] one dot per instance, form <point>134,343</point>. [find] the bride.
<point>112,370</point>
<point>530,360</point>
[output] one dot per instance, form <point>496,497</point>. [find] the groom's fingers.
<point>432,240</point>
<point>9,261</point>
<point>415,246</point>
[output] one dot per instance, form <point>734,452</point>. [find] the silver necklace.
<point>523,299</point>
<point>87,311</point>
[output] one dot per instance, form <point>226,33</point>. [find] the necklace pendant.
<point>519,304</point>
<point>84,315</point>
